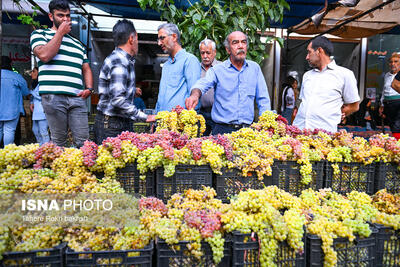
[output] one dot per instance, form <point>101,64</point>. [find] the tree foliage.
<point>214,19</point>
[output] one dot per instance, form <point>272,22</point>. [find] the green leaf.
<point>196,18</point>
<point>173,10</point>
<point>249,3</point>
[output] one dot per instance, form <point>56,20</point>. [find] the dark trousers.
<point>209,122</point>
<point>220,128</point>
<point>392,112</point>
<point>110,126</point>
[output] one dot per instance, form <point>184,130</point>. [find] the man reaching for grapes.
<point>237,83</point>
<point>117,88</point>
<point>328,93</point>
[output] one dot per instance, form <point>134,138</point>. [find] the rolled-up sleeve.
<point>207,82</point>
<point>262,95</point>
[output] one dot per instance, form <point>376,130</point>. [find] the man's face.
<point>313,56</point>
<point>59,16</point>
<point>135,44</point>
<point>166,41</point>
<point>394,65</point>
<point>237,46</point>
<point>207,54</point>
<point>34,74</point>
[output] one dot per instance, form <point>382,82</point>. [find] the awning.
<point>367,18</point>
<point>299,10</point>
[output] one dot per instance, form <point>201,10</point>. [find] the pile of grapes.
<point>197,217</point>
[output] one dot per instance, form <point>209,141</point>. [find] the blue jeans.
<point>66,112</point>
<point>7,129</point>
<point>287,114</point>
<point>40,129</point>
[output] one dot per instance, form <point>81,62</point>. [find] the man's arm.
<point>396,83</point>
<point>192,101</point>
<point>262,95</point>
<point>48,51</point>
<point>88,80</point>
<point>348,109</point>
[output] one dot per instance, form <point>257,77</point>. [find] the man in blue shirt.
<point>180,71</point>
<point>237,83</point>
<point>13,88</point>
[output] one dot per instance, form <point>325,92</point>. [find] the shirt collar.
<point>125,54</point>
<point>332,65</point>
<point>177,56</point>
<point>229,64</point>
<point>212,64</point>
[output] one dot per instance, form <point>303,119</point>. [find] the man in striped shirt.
<point>63,66</point>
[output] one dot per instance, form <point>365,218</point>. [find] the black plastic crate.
<point>179,256</point>
<point>359,253</point>
<point>387,246</point>
<point>286,175</point>
<point>351,176</point>
<point>130,180</point>
<point>387,175</point>
<point>232,181</point>
<point>123,258</point>
<point>141,127</point>
<point>246,252</point>
<point>185,177</point>
<point>53,257</point>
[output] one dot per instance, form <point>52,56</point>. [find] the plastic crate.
<point>387,246</point>
<point>286,175</point>
<point>231,182</point>
<point>127,258</point>
<point>130,180</point>
<point>185,177</point>
<point>179,256</point>
<point>359,253</point>
<point>141,127</point>
<point>53,257</point>
<point>351,176</point>
<point>387,175</point>
<point>246,252</point>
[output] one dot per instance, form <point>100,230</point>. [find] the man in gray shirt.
<point>208,52</point>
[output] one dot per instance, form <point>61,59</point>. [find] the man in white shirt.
<point>328,93</point>
<point>390,100</point>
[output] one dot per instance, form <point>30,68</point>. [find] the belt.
<point>235,126</point>
<point>388,101</point>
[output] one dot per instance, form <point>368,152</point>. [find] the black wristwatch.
<point>90,89</point>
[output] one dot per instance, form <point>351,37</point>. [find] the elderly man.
<point>328,93</point>
<point>117,85</point>
<point>63,71</point>
<point>179,73</point>
<point>390,100</point>
<point>208,52</point>
<point>237,83</point>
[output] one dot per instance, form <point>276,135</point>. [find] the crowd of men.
<point>225,93</point>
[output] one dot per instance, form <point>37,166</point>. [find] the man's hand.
<point>191,102</point>
<point>151,118</point>
<point>348,109</point>
<point>31,107</point>
<point>381,112</point>
<point>84,93</point>
<point>64,28</point>
<point>138,91</point>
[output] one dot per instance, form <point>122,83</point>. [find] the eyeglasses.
<point>161,38</point>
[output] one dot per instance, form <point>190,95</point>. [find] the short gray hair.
<point>171,28</point>
<point>226,42</point>
<point>207,42</point>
